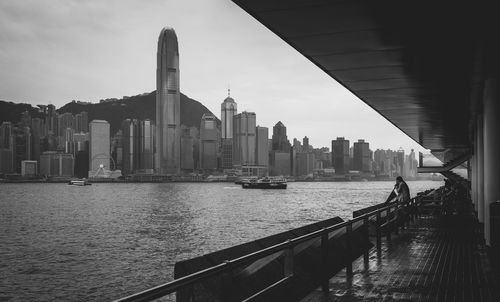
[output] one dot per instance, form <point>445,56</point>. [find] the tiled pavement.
<point>438,258</point>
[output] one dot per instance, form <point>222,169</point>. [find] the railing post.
<point>388,228</point>
<point>324,258</point>
<point>288,269</point>
<point>379,233</point>
<point>349,248</point>
<point>397,219</point>
<point>366,258</point>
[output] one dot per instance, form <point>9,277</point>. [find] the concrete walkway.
<point>438,258</point>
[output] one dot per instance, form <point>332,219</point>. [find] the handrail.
<point>177,284</point>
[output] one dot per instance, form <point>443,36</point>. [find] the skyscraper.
<point>280,140</point>
<point>187,149</point>
<point>228,110</point>
<point>244,139</point>
<point>82,122</point>
<point>99,146</point>
<point>305,143</point>
<point>6,148</point>
<point>130,142</point>
<point>262,146</point>
<point>361,156</point>
<point>209,138</point>
<point>167,160</point>
<point>340,155</point>
<point>146,147</point>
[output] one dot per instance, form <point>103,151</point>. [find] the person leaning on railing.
<point>402,190</point>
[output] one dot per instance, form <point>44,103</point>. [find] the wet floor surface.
<point>438,258</point>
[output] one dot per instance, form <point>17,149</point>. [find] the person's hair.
<point>399,178</point>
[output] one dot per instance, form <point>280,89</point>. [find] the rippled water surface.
<point>105,241</point>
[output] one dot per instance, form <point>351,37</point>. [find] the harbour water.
<point>105,241</point>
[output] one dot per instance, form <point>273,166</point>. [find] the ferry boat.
<point>79,182</point>
<point>264,183</point>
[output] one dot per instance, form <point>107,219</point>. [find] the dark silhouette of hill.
<point>115,111</point>
<point>11,112</point>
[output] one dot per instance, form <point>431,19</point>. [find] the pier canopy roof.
<point>420,64</point>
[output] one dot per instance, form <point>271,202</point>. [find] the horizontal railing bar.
<point>173,286</point>
<point>256,295</point>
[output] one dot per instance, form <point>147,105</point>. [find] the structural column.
<point>473,170</point>
<point>491,122</point>
<point>480,168</point>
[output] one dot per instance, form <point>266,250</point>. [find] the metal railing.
<point>386,219</point>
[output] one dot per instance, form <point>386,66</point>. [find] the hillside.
<point>11,112</point>
<point>139,107</point>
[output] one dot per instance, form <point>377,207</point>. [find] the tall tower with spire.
<point>167,158</point>
<point>228,110</point>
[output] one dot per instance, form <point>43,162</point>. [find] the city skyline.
<point>263,62</point>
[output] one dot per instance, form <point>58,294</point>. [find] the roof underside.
<point>419,65</point>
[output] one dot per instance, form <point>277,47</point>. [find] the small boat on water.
<point>264,183</point>
<point>79,182</point>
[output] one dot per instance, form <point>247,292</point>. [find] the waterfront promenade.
<point>437,258</point>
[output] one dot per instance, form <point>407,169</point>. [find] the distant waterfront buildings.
<point>340,155</point>
<point>187,149</point>
<point>6,148</point>
<point>29,168</point>
<point>54,164</point>
<point>244,140</point>
<point>130,143</point>
<point>147,131</point>
<point>168,158</point>
<point>99,147</point>
<point>262,147</point>
<point>209,142</point>
<point>362,158</point>
<point>280,140</point>
<point>305,162</point>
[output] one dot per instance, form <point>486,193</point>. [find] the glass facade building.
<point>167,160</point>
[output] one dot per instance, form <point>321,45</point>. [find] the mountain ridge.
<point>114,111</point>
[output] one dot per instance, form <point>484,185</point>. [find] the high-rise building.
<point>187,150</point>
<point>340,155</point>
<point>146,150</point>
<point>56,164</point>
<point>130,142</point>
<point>167,160</point>
<point>228,110</point>
<point>209,146</point>
<point>262,146</point>
<point>25,119</point>
<point>280,140</point>
<point>362,156</point>
<point>400,162</point>
<point>51,119</point>
<point>6,148</point>
<point>82,122</point>
<point>305,163</point>
<point>65,121</point>
<point>227,153</point>
<point>99,146</point>
<point>22,146</point>
<point>305,143</point>
<point>244,139</point>
<point>37,132</point>
<point>279,163</point>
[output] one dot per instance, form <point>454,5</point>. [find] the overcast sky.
<point>54,51</point>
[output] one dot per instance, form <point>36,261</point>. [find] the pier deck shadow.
<point>437,258</point>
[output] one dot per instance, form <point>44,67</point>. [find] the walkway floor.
<point>435,259</point>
